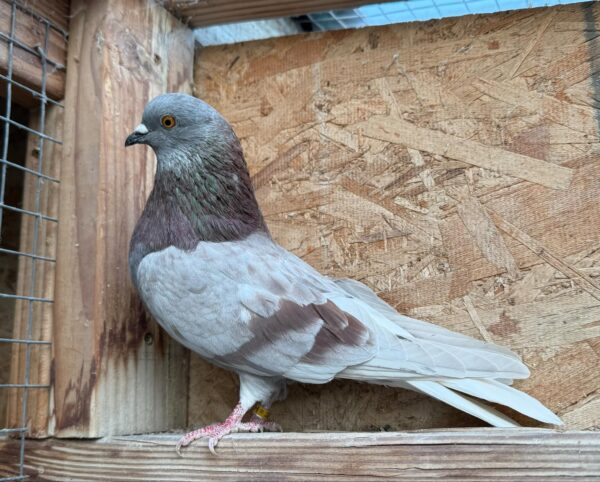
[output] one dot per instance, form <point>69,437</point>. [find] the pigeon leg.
<point>216,431</point>
<point>259,422</point>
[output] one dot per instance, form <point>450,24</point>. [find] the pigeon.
<point>206,267</point>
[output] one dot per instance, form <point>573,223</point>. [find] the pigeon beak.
<point>137,136</point>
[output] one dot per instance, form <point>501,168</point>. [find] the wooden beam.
<point>480,454</point>
<point>200,14</point>
<point>30,32</point>
<point>115,371</point>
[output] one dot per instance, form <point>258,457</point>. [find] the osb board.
<point>453,167</point>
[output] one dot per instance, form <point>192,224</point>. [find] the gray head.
<point>202,188</point>
<point>172,123</point>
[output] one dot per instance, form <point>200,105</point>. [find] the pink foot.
<point>214,433</point>
<point>217,431</point>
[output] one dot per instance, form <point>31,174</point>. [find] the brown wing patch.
<point>279,340</point>
<point>322,336</point>
<point>341,330</point>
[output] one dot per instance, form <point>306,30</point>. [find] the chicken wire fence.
<point>415,10</point>
<point>25,127</point>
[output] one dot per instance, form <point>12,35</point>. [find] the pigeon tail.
<point>497,392</point>
<point>459,401</point>
<point>430,359</point>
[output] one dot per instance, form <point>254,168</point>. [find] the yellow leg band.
<point>261,412</point>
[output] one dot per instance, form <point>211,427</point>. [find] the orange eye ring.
<point>168,121</point>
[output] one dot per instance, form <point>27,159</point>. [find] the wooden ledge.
<point>467,454</point>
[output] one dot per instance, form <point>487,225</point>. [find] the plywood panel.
<point>453,167</point>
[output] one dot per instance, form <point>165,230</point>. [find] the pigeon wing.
<point>252,306</point>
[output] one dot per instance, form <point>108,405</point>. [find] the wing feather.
<point>252,306</point>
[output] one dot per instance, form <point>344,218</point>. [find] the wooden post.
<point>116,372</point>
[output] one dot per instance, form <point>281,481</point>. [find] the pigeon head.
<point>202,189</point>
<point>175,125</point>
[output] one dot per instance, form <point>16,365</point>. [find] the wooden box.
<point>450,165</point>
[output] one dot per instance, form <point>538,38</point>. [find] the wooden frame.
<point>200,14</point>
<point>40,36</point>
<point>477,454</point>
<point>115,372</point>
<point>27,31</point>
<point>41,401</point>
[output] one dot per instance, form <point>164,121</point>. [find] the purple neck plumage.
<point>206,197</point>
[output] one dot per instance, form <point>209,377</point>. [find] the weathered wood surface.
<point>30,31</point>
<point>115,370</point>
<point>40,409</point>
<point>484,454</point>
<point>452,166</point>
<point>199,14</point>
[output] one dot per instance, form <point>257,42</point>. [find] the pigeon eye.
<point>168,121</point>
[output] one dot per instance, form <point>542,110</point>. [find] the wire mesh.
<point>414,10</point>
<point>9,128</point>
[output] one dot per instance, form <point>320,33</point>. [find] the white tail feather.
<point>461,402</point>
<point>433,360</point>
<point>497,392</point>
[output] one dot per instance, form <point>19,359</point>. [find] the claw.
<point>212,442</point>
<point>181,443</point>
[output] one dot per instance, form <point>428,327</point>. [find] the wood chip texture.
<point>436,162</point>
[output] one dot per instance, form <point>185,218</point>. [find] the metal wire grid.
<point>9,41</point>
<point>414,10</point>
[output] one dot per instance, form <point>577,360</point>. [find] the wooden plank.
<point>475,127</point>
<point>40,402</point>
<point>199,14</point>
<point>30,31</point>
<point>115,370</point>
<point>483,454</point>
